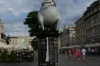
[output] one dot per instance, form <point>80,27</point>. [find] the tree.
<point>35,43</point>
<point>32,23</point>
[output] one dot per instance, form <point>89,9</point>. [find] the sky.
<point>14,12</point>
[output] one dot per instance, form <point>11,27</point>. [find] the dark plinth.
<point>48,34</point>
<point>53,48</point>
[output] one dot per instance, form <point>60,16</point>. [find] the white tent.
<point>10,46</point>
<point>77,46</point>
<point>21,46</point>
<point>92,45</point>
<point>30,47</point>
<point>69,47</point>
<point>87,45</point>
<point>3,45</point>
<point>95,45</point>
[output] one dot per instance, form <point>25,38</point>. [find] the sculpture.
<point>48,14</point>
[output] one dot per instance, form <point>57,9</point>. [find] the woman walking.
<point>73,53</point>
<point>79,54</point>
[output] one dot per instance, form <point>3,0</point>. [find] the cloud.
<point>14,12</point>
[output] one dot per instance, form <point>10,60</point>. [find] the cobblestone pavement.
<point>90,61</point>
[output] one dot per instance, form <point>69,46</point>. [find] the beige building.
<point>30,39</point>
<point>91,21</point>
<point>22,39</point>
<point>59,42</point>
<point>80,31</point>
<point>68,36</point>
<point>2,35</point>
<point>13,40</point>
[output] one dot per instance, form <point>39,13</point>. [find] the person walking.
<point>76,49</point>
<point>65,54</point>
<point>89,51</point>
<point>83,53</point>
<point>92,51</point>
<point>69,51</point>
<point>79,54</point>
<point>73,52</point>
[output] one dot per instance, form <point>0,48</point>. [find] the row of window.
<point>79,22</point>
<point>93,21</point>
<point>82,37</point>
<point>22,40</point>
<point>87,15</point>
<point>80,30</point>
<point>93,32</point>
<point>92,11</point>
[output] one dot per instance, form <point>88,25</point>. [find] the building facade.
<point>59,42</point>
<point>88,26</point>
<point>68,36</point>
<point>22,39</point>
<point>30,39</point>
<point>13,40</point>
<point>80,31</point>
<point>2,35</point>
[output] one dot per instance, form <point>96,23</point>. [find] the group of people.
<point>92,51</point>
<point>21,55</point>
<point>76,53</point>
<point>25,55</point>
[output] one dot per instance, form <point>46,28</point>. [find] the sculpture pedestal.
<point>53,49</point>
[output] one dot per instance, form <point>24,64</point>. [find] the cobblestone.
<point>90,61</point>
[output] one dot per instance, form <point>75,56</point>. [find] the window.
<point>91,12</point>
<point>95,20</point>
<point>99,29</point>
<point>95,9</point>
<point>84,36</point>
<point>95,31</point>
<point>99,18</point>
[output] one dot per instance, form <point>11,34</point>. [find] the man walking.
<point>83,53</point>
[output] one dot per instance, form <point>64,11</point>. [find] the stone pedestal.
<point>53,49</point>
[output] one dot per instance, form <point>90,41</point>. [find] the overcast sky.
<point>14,12</point>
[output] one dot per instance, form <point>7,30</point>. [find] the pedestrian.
<point>79,54</point>
<point>73,53</point>
<point>83,53</point>
<point>65,54</point>
<point>92,51</point>
<point>76,52</point>
<point>89,51</point>
<point>69,51</point>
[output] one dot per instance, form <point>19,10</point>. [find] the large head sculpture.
<point>48,3</point>
<point>48,14</point>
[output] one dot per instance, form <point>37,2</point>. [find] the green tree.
<point>32,22</point>
<point>35,43</point>
<point>34,27</point>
